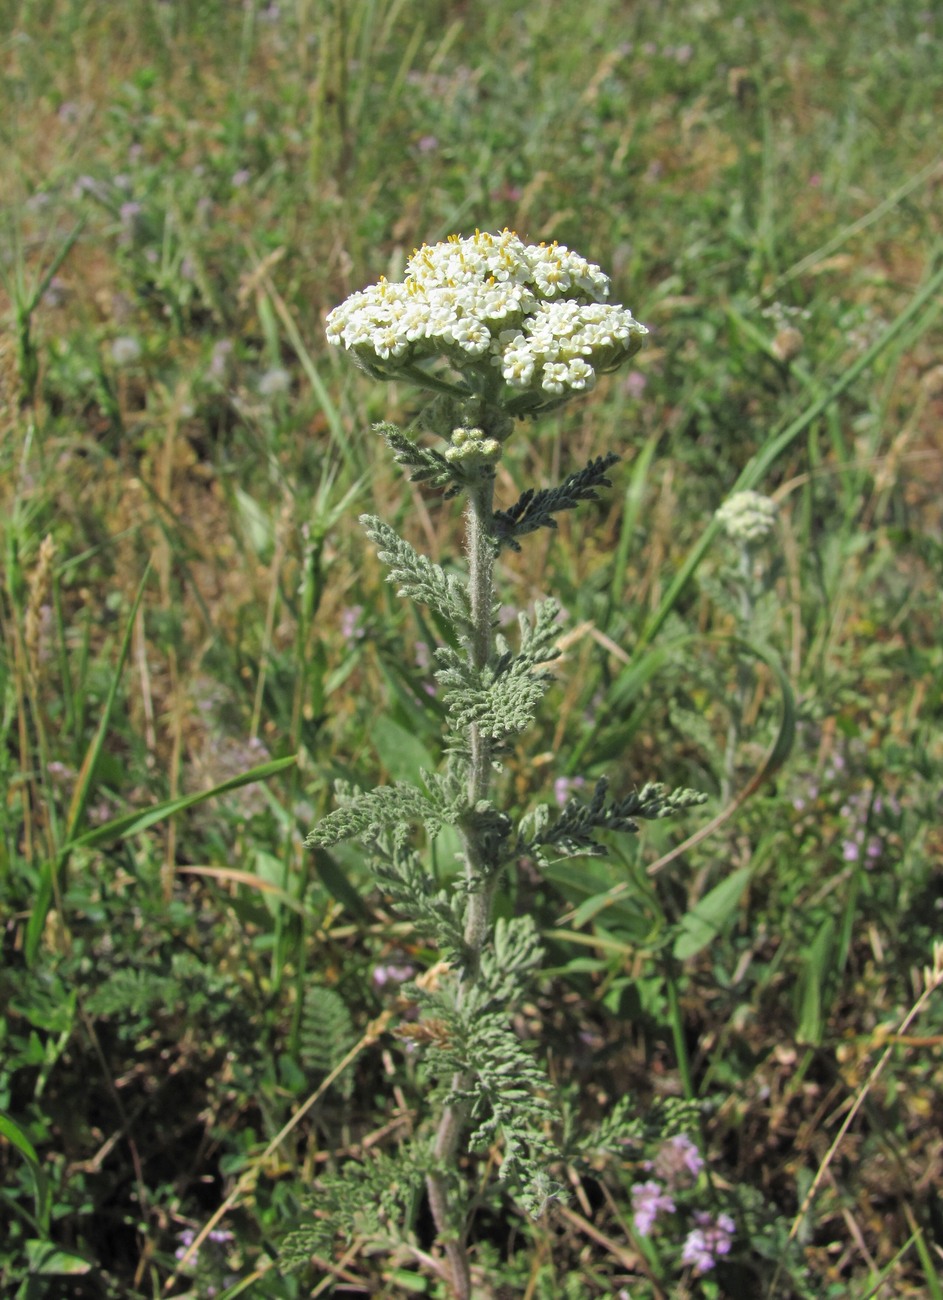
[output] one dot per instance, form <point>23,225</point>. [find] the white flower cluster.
<point>534,311</point>
<point>747,516</point>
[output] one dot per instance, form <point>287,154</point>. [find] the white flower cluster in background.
<point>535,312</point>
<point>747,516</point>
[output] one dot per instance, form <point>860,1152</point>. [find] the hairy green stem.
<point>481,559</point>
<point>744,679</point>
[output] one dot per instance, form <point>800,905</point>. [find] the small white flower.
<point>555,377</point>
<point>551,277</point>
<point>471,335</point>
<point>517,363</point>
<point>580,376</point>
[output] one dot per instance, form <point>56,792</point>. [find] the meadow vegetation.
<point>201,1017</point>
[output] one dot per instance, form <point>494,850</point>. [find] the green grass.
<point>187,191</point>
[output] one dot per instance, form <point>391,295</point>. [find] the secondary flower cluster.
<point>534,312</point>
<point>747,517</point>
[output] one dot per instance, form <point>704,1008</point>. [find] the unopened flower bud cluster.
<point>747,517</point>
<point>469,445</point>
<point>535,312</point>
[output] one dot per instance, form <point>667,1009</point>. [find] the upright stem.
<point>481,559</point>
<point>744,679</point>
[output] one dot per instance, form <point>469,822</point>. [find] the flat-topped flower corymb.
<point>498,311</point>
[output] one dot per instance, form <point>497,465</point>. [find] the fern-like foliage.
<point>501,699</point>
<point>137,996</point>
<point>510,1082</point>
<point>133,994</point>
<point>383,821</point>
<point>535,509</point>
<point>500,1085</point>
<point>373,811</point>
<point>418,577</point>
<point>499,702</point>
<point>504,1091</point>
<point>375,1198</point>
<point>505,964</point>
<point>326,1035</point>
<point>510,1097</point>
<point>424,464</point>
<point>629,1129</point>
<point>436,913</point>
<point>572,834</point>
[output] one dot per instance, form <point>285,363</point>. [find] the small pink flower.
<point>350,623</point>
<point>564,786</point>
<point>648,1201</point>
<point>710,1239</point>
<point>392,974</point>
<point>678,1160</point>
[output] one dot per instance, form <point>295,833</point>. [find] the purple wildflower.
<point>678,1159</point>
<point>349,620</point>
<point>185,1236</point>
<point>392,974</point>
<point>710,1239</point>
<point>648,1201</point>
<point>59,772</point>
<point>564,786</point>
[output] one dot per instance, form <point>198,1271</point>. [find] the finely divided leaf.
<point>536,509</point>
<point>502,699</point>
<point>573,833</point>
<point>375,810</point>
<point>427,465</point>
<point>418,577</point>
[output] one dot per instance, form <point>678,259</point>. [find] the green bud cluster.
<point>470,447</point>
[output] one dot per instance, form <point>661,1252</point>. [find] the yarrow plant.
<point>496,329</point>
<point>748,519</point>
